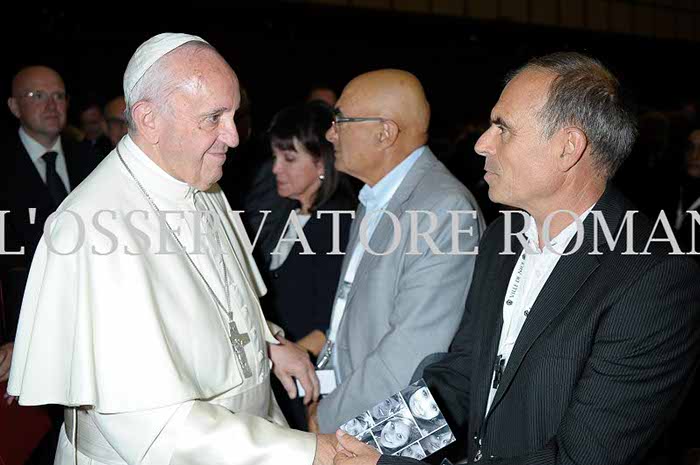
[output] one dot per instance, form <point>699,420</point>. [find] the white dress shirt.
<point>527,280</point>
<point>374,199</point>
<point>36,151</point>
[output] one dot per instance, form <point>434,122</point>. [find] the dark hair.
<point>308,123</point>
<point>586,94</point>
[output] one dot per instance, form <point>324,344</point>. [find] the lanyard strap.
<point>339,306</point>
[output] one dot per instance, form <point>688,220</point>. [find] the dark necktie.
<point>53,181</point>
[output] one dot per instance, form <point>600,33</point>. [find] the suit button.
<point>275,275</point>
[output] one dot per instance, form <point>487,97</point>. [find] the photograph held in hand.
<point>408,423</point>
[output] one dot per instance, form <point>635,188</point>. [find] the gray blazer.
<point>403,307</point>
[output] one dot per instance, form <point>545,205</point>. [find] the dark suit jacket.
<point>601,365</point>
<point>301,291</point>
<point>21,188</point>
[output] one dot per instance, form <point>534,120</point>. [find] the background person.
<point>301,286</point>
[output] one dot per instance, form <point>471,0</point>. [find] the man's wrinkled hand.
<point>5,360</point>
<point>326,445</point>
<point>312,417</point>
<point>350,451</point>
<point>292,361</point>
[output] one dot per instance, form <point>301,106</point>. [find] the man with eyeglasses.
<point>574,349</point>
<point>37,170</point>
<point>407,270</point>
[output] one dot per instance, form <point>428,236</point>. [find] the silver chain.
<point>227,311</point>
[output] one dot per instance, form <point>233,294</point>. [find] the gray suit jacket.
<point>403,307</point>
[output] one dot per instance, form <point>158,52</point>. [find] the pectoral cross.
<point>238,343</point>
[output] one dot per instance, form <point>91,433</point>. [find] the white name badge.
<point>326,379</point>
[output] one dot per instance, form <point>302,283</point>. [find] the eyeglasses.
<point>40,96</point>
<point>338,118</point>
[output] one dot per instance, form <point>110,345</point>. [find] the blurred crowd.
<point>281,166</point>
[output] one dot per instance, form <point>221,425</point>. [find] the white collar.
<point>382,192</point>
<point>152,176</point>
<point>35,149</point>
<point>560,241</point>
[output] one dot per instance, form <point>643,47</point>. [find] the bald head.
<point>393,94</point>
<point>39,102</point>
<point>31,75</point>
<point>386,117</point>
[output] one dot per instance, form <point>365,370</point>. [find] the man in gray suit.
<point>401,293</point>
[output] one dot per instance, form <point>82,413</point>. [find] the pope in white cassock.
<point>149,331</point>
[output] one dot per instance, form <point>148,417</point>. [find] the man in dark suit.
<point>37,170</point>
<point>571,349</point>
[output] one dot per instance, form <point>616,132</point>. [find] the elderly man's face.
<point>520,162</point>
<point>352,141</point>
<point>43,114</point>
<point>198,126</point>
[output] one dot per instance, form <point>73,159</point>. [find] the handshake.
<point>343,449</point>
<point>408,424</point>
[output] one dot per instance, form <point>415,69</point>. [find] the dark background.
<point>280,49</point>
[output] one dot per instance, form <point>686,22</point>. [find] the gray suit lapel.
<point>383,234</point>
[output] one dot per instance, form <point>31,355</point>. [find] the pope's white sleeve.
<point>147,436</point>
<point>275,330</point>
<point>213,436</point>
<point>202,433</point>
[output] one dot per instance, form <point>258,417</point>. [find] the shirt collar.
<point>560,241</point>
<point>381,193</point>
<point>35,149</point>
<point>153,178</point>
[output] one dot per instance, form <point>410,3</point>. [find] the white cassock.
<point>131,333</point>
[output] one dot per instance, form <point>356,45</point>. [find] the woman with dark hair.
<point>301,286</point>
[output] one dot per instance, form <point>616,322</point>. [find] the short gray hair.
<point>587,95</point>
<point>158,83</point>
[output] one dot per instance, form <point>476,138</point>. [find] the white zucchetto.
<point>148,53</point>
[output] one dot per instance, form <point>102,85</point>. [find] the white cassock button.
<point>261,355</point>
